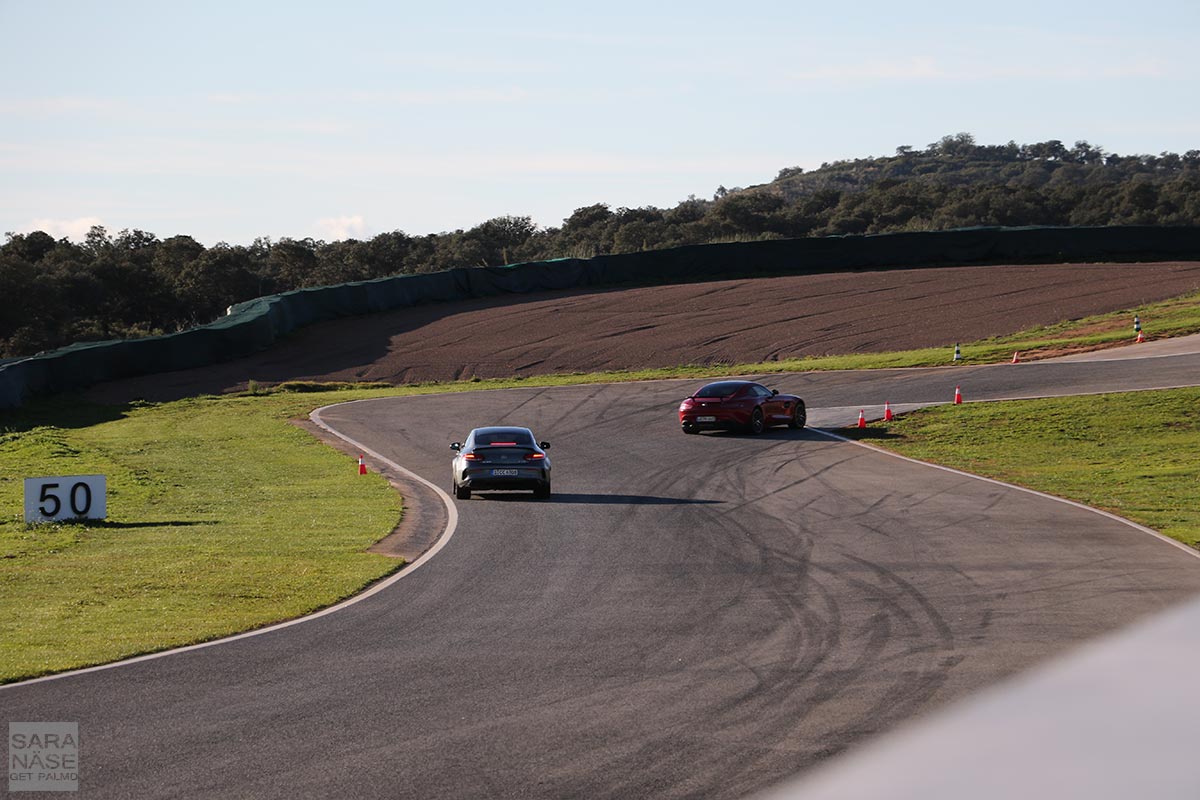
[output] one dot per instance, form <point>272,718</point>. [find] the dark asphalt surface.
<point>689,616</point>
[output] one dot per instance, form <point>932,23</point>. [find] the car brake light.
<point>535,456</point>
<point>472,457</point>
<point>503,444</point>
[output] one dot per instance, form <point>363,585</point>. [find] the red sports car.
<point>740,405</point>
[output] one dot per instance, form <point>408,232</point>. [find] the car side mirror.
<point>544,445</point>
<point>774,392</point>
<point>456,446</point>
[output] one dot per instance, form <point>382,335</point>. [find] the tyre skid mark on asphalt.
<point>534,395</point>
<point>923,610</point>
<point>820,637</point>
<point>816,633</point>
<point>908,590</point>
<point>589,396</point>
<point>805,695</point>
<point>1099,591</point>
<point>1068,570</point>
<point>453,520</point>
<point>756,457</point>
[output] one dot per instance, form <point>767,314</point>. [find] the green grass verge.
<point>222,517</point>
<point>1136,454</point>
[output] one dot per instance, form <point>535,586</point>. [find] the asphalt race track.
<point>688,616</point>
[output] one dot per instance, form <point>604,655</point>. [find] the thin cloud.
<point>340,228</point>
<point>429,97</point>
<point>197,157</point>
<point>1053,72</point>
<point>906,70</point>
<point>442,97</point>
<point>53,106</point>
<point>75,229</point>
<point>928,70</point>
<point>232,99</point>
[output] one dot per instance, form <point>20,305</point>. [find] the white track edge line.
<point>1174,543</point>
<point>452,524</point>
<point>373,589</point>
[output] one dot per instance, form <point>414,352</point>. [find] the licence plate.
<point>706,419</point>
<point>504,473</point>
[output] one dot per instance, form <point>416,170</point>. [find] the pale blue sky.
<point>232,120</point>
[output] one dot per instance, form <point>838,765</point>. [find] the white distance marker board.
<point>66,498</point>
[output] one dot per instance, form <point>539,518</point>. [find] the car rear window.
<point>519,438</point>
<point>722,389</point>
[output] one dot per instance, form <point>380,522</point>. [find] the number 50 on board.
<point>65,498</point>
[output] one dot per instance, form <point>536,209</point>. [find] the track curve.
<point>689,616</point>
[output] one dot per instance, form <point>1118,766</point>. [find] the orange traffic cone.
<point>1016,360</point>
<point>887,411</point>
<point>862,419</point>
<point>957,396</point>
<point>1141,338</point>
<point>362,466</point>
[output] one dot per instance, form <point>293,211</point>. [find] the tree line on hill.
<point>56,292</point>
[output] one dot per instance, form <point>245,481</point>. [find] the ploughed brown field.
<point>730,321</point>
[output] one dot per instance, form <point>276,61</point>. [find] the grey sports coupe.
<point>500,458</point>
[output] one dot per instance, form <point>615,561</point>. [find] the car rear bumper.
<point>726,421</point>
<point>485,480</point>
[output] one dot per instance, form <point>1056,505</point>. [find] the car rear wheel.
<point>543,491</point>
<point>690,429</point>
<point>799,417</point>
<point>462,492</point>
<point>757,425</point>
